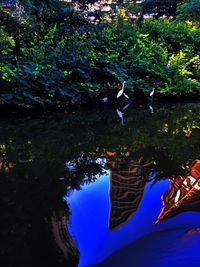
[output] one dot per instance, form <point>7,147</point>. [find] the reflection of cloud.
<point>183,194</point>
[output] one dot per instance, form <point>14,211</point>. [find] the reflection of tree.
<point>183,193</point>
<point>57,140</point>
<point>32,191</point>
<point>85,167</point>
<point>5,165</point>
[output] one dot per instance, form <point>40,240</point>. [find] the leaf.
<point>120,93</point>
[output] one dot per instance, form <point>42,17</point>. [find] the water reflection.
<point>91,159</point>
<point>126,191</point>
<point>183,193</point>
<point>63,239</point>
<point>128,196</point>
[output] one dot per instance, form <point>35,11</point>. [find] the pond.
<point>111,186</point>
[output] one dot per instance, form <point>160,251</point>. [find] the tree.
<point>190,10</point>
<point>40,9</point>
<point>159,8</point>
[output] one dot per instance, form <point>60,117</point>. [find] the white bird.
<point>125,107</point>
<point>121,92</point>
<point>126,95</point>
<point>104,100</point>
<point>120,115</point>
<point>151,109</point>
<point>168,65</point>
<point>152,92</point>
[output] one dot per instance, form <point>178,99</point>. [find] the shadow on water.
<point>54,170</point>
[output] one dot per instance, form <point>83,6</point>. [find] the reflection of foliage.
<point>185,128</point>
<point>2,149</point>
<point>39,150</point>
<point>83,169</point>
<point>167,131</point>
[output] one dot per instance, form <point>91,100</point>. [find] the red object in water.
<point>110,154</point>
<point>195,169</point>
<point>183,193</point>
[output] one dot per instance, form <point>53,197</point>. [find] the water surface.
<point>84,188</point>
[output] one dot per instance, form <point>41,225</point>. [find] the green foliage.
<point>183,73</point>
<point>176,36</point>
<point>46,9</point>
<point>53,62</point>
<point>189,11</point>
<point>181,42</point>
<point>6,46</point>
<point>160,8</point>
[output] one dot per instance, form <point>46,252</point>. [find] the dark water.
<point>85,188</point>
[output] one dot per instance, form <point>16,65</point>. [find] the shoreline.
<point>71,105</point>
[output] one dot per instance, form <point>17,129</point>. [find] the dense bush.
<point>160,8</point>
<point>189,10</point>
<point>57,62</point>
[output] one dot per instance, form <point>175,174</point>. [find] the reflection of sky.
<point>89,227</point>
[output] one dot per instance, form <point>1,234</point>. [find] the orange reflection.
<point>110,154</point>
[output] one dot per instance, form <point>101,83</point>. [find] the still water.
<point>85,188</point>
